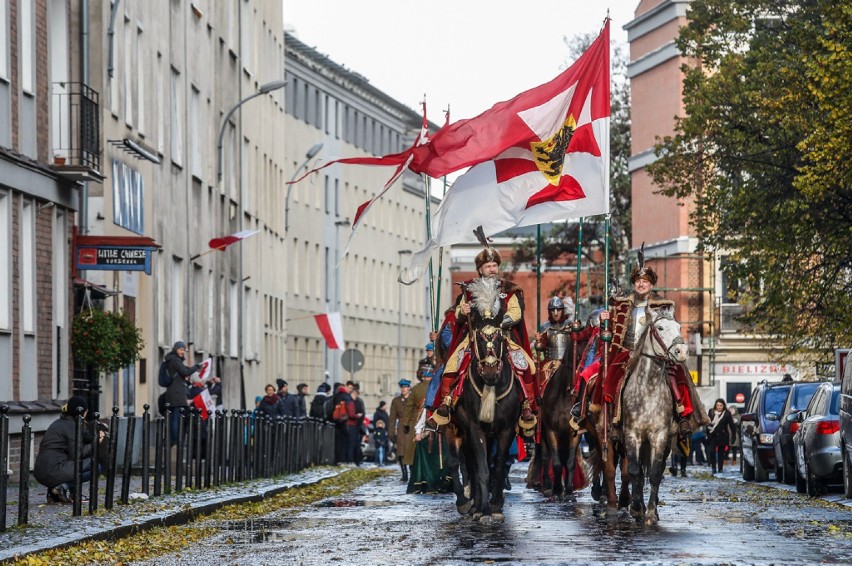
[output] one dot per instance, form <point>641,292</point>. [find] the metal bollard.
<point>127,465</point>
<point>179,456</point>
<point>112,455</point>
<point>190,444</point>
<point>146,448</point>
<point>235,443</point>
<point>76,504</point>
<point>167,453</point>
<point>200,440</point>
<point>4,464</point>
<point>93,464</point>
<point>161,445</point>
<point>24,483</point>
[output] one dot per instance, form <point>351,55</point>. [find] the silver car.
<point>817,442</point>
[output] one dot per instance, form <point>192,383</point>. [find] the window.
<point>161,88</point>
<point>177,110</point>
<point>233,307</point>
<point>140,81</point>
<point>128,197</point>
<point>27,54</point>
<point>195,140</point>
<point>28,283</point>
<point>127,73</point>
<point>176,304</point>
<point>5,257</point>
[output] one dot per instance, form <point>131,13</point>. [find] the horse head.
<point>664,338</point>
<point>490,346</point>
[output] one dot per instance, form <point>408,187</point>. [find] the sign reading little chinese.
<point>114,253</point>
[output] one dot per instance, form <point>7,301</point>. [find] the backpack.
<point>328,408</point>
<point>318,407</point>
<point>340,414</point>
<point>163,378</point>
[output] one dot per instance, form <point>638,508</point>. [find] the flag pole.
<point>606,335</point>
<point>538,279</point>
<point>576,326</point>
<point>440,273</point>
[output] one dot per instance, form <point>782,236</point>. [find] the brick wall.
<point>44,302</point>
<point>16,295</point>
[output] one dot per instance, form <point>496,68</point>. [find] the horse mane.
<point>667,312</point>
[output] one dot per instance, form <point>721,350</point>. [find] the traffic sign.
<point>352,360</point>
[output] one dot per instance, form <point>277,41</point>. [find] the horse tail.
<point>487,404</point>
<point>595,460</point>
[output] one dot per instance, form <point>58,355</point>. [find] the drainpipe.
<point>84,78</point>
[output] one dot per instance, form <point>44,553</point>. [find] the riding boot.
<point>404,472</point>
<point>441,416</point>
<point>683,428</point>
<point>677,395</point>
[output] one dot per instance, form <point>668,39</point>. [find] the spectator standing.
<point>381,414</point>
<point>360,429</point>
<point>54,465</point>
<point>287,399</point>
<point>214,387</point>
<point>736,441</point>
<point>719,433</point>
<point>344,448</point>
<point>318,403</point>
<point>382,442</point>
<point>178,389</point>
<point>271,404</point>
<point>301,401</point>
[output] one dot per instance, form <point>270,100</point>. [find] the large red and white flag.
<point>204,403</point>
<point>330,326</point>
<point>540,157</point>
<point>225,241</point>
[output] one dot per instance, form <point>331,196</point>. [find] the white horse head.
<point>664,338</point>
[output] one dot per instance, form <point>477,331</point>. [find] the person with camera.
<point>177,392</point>
<point>54,465</point>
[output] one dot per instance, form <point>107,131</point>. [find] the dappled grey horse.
<point>647,415</point>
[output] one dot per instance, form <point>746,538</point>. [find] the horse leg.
<point>609,483</point>
<point>504,440</point>
<point>555,464</point>
<point>634,467</point>
<point>569,459</point>
<point>455,465</point>
<point>624,495</point>
<point>655,478</point>
<point>479,476</point>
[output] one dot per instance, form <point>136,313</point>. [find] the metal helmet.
<point>555,304</point>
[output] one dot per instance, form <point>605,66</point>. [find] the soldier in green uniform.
<point>397,432</point>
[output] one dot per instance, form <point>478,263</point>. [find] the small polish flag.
<point>331,327</point>
<point>205,372</point>
<point>224,242</point>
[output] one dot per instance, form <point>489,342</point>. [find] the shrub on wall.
<point>107,341</point>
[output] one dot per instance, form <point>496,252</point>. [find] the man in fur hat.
<point>628,315</point>
<point>511,299</point>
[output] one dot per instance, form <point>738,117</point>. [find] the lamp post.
<point>399,321</point>
<point>312,152</point>
<point>264,89</point>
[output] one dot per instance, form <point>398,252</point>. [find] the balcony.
<point>75,132</point>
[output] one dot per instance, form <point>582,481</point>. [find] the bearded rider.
<point>512,303</point>
<point>552,342</point>
<point>628,314</point>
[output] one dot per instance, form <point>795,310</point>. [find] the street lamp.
<point>264,89</point>
<point>312,152</point>
<point>399,321</point>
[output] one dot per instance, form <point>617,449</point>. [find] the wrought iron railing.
<point>76,125</point>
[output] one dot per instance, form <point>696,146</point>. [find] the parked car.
<point>785,457</point>
<point>846,428</point>
<point>757,425</point>
<point>817,442</point>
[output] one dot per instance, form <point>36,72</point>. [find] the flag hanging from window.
<point>331,327</point>
<point>225,241</point>
<point>540,157</point>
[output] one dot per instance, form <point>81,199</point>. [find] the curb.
<point>179,514</point>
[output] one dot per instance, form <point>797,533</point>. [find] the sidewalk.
<point>51,525</point>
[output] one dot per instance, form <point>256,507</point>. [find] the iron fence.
<point>225,447</point>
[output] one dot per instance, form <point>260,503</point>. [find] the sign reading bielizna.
<point>114,253</point>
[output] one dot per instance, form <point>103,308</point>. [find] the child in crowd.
<point>380,438</point>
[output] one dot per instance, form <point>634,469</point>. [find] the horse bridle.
<point>667,352</point>
<point>492,357</point>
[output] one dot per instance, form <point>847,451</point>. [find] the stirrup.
<point>530,423</point>
<point>440,419</point>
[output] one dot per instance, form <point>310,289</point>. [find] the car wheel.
<point>847,475</point>
<point>748,471</point>
<point>800,482</point>
<point>811,482</point>
<point>760,473</point>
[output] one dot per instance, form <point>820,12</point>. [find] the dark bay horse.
<point>559,441</point>
<point>486,414</point>
<point>647,418</point>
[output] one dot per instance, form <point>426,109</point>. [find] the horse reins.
<point>479,364</point>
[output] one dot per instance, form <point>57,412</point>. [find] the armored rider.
<point>552,342</point>
<point>512,303</point>
<point>628,314</point>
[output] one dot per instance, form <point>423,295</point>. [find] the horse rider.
<point>512,303</point>
<point>552,342</point>
<point>589,361</point>
<point>628,314</point>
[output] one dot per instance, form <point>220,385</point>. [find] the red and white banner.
<point>541,157</point>
<point>331,327</point>
<point>224,242</point>
<point>204,403</point>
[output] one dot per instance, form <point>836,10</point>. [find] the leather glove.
<point>507,322</point>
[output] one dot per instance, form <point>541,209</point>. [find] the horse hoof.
<point>465,508</point>
<point>547,493</point>
<point>497,517</point>
<point>477,516</point>
<point>611,513</point>
<point>651,520</point>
